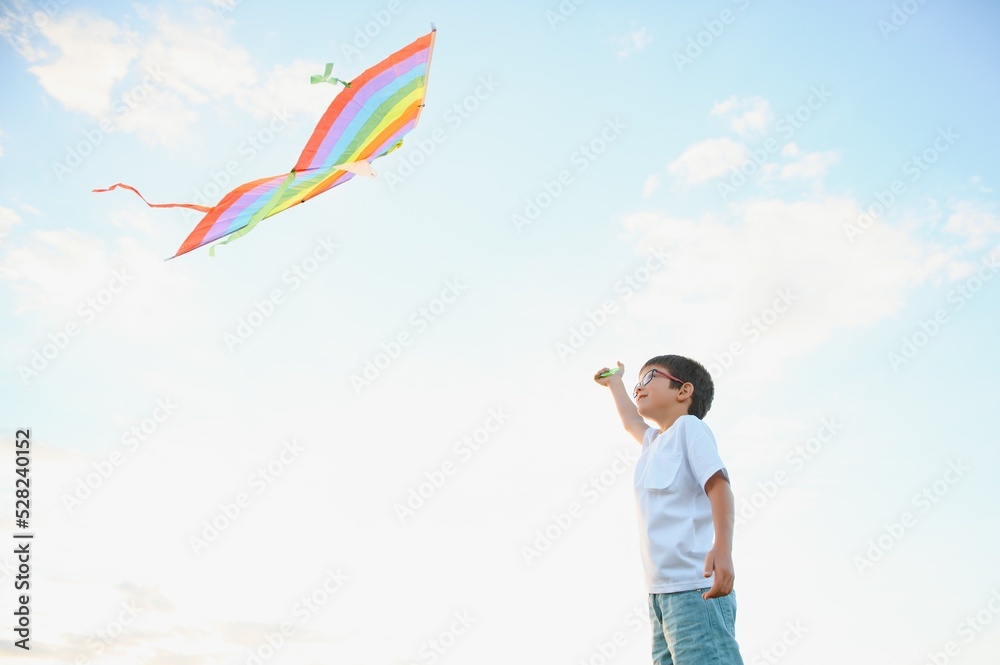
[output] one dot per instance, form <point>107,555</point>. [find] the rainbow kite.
<point>364,122</point>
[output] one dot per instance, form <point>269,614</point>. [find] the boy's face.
<point>656,394</point>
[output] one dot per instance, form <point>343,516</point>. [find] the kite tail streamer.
<point>192,206</point>
<point>264,211</point>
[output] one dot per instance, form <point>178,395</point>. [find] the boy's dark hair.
<point>692,372</point>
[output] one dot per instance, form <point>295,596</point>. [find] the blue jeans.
<point>689,630</point>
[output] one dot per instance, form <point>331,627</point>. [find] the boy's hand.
<point>719,560</point>
<point>627,410</point>
<point>606,381</point>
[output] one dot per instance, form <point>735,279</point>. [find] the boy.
<point>683,496</point>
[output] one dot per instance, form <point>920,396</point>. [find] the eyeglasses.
<point>648,376</point>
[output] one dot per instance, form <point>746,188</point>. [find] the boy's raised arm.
<point>632,421</point>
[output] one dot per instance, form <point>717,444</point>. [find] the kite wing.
<point>367,120</point>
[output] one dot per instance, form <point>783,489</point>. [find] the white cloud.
<point>149,86</point>
<point>54,272</point>
<point>651,185</point>
<point>714,158</point>
<point>977,182</point>
<point>19,25</point>
<point>286,88</point>
<point>977,224</point>
<point>723,108</point>
<point>8,218</point>
<point>152,86</point>
<point>747,115</point>
<point>160,119</point>
<point>810,166</point>
<point>633,42</point>
<point>723,271</point>
<point>790,150</point>
<point>708,159</point>
<point>201,62</point>
<point>94,55</point>
<point>194,63</point>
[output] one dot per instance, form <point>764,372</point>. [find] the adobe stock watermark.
<point>779,648</point>
<point>915,167</point>
<point>419,151</point>
<point>439,644</point>
<point>102,639</point>
<point>22,23</point>
<point>752,329</point>
<point>592,490</point>
<point>900,16</point>
<point>582,158</point>
<point>626,287</point>
<point>562,12</point>
<point>927,329</point>
<point>704,39</point>
<point>133,98</point>
<point>131,440</point>
<point>365,35</point>
<point>969,628</point>
<point>789,123</point>
<point>419,321</point>
<point>924,500</point>
<point>262,478</point>
<point>87,311</point>
<point>462,453</point>
<point>302,611</point>
<point>294,277</point>
<point>605,650</point>
<point>795,461</point>
<point>221,181</point>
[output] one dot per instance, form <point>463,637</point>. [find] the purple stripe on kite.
<point>352,141</point>
<point>350,137</point>
<point>252,200</point>
<point>364,94</point>
<point>362,97</point>
<point>336,145</point>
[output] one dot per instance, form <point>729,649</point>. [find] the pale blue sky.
<point>536,91</point>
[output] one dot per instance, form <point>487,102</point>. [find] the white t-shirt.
<point>675,516</point>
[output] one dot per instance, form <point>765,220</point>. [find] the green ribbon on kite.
<point>326,78</point>
<point>258,216</point>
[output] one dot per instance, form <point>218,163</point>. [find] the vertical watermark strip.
<point>22,541</point>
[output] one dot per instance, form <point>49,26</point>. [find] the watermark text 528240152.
<point>22,540</point>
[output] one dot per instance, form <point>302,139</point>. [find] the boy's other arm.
<point>627,411</point>
<point>720,557</point>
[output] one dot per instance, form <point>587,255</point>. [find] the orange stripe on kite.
<point>409,114</point>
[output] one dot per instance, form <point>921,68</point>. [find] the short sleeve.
<point>702,451</point>
<point>648,437</point>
